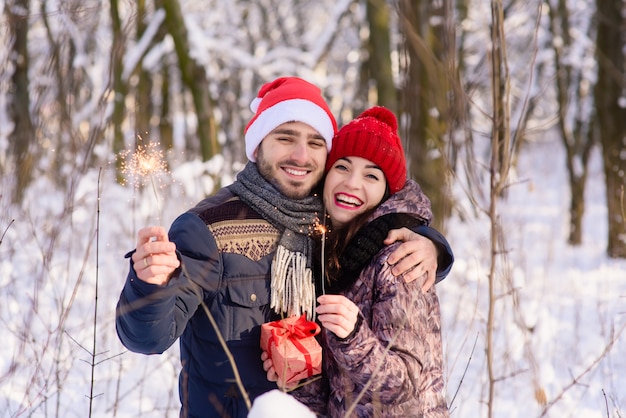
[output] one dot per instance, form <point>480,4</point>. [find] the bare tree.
<point>574,102</point>
<point>610,91</point>
<point>506,134</point>
<point>499,166</point>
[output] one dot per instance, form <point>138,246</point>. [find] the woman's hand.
<point>338,314</point>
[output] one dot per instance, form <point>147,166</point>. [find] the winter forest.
<point>116,115</point>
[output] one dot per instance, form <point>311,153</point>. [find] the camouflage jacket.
<point>392,364</point>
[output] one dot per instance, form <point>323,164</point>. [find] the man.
<point>240,258</point>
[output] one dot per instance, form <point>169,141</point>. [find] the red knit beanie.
<point>288,99</point>
<point>373,136</point>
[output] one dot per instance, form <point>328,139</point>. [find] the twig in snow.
<point>5,230</point>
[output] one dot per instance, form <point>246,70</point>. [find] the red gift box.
<point>292,346</point>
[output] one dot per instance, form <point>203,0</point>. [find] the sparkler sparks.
<point>146,164</point>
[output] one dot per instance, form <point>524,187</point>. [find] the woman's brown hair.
<point>337,240</point>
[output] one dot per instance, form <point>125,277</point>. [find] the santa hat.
<point>373,136</point>
<point>288,99</point>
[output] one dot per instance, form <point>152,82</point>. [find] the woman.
<point>381,337</point>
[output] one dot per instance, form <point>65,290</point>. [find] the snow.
<point>559,312</point>
<point>277,404</point>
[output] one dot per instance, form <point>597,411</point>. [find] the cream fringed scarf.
<point>292,285</point>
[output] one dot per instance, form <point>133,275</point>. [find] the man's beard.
<point>291,189</point>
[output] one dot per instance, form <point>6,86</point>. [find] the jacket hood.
<point>410,200</point>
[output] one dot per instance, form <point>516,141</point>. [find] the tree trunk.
<point>23,134</point>
<point>499,143</point>
<point>501,113</point>
<point>144,108</point>
<point>379,59</point>
<point>426,98</point>
<point>119,89</point>
<point>194,78</point>
<point>166,130</point>
<point>611,113</point>
<point>575,129</point>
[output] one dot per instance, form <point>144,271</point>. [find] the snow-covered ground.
<point>559,316</point>
<point>559,308</point>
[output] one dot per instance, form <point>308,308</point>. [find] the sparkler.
<point>321,228</point>
<point>143,165</point>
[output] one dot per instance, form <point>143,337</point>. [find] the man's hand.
<point>415,258</point>
<point>155,258</point>
<point>338,314</point>
<point>272,376</point>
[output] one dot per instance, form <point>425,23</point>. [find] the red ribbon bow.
<point>294,329</point>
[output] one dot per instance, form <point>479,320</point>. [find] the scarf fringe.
<point>292,287</point>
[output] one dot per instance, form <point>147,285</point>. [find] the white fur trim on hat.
<point>254,104</point>
<point>294,110</point>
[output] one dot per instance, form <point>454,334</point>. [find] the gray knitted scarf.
<point>292,285</point>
